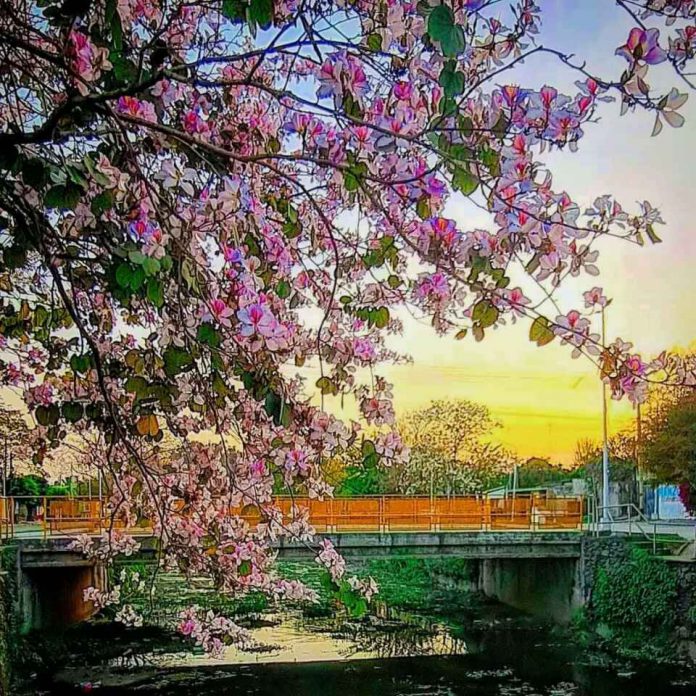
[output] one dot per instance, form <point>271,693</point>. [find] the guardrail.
<point>627,518</point>
<point>51,515</point>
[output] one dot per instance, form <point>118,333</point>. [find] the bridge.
<point>492,532</point>
<point>527,551</point>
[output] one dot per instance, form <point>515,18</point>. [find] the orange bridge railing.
<point>45,515</point>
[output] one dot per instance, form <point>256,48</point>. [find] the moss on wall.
<point>8,618</point>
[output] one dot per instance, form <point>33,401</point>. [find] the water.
<point>498,654</point>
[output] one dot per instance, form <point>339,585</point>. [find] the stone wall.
<point>4,642</point>
<point>8,615</point>
<point>604,550</point>
<point>596,552</point>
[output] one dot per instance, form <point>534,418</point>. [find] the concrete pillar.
<point>52,597</point>
<point>544,587</point>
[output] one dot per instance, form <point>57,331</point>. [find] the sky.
<point>545,400</point>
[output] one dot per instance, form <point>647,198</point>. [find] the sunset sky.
<point>545,400</point>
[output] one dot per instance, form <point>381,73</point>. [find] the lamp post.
<point>4,470</point>
<point>606,519</point>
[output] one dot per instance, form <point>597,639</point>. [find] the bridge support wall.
<point>52,597</point>
<point>550,588</point>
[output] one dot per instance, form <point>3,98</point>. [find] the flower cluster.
<point>211,631</point>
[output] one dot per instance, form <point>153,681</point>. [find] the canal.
<point>423,637</point>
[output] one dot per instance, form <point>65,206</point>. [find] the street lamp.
<point>606,519</point>
<point>4,470</point>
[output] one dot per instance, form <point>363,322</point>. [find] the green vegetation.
<point>670,444</point>
<point>417,583</point>
<point>9,630</point>
<point>632,612</point>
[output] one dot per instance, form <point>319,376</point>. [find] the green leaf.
<point>380,318</point>
<point>113,18</point>
<point>448,106</point>
<point>423,208</point>
<point>34,172</point>
<point>155,292</point>
<point>283,289</point>
<point>188,273</point>
<point>14,256</point>
<point>47,415</point>
<point>102,202</point>
<point>374,42</point>
<point>491,160</point>
<point>136,385</point>
<point>273,405</point>
<point>485,313</point>
<point>292,229</point>
<point>234,10</point>
<point>80,364</point>
<point>72,411</point>
<point>137,278</point>
<point>123,275</point>
<point>220,386</point>
<point>8,157</point>
<point>652,236</point>
<point>208,335</point>
<point>463,180</point>
<point>451,81</point>
<point>137,257</point>
<point>65,196</point>
<point>353,176</point>
<point>393,282</point>
<point>151,266</point>
<point>41,316</point>
<point>368,448</point>
<point>540,332</point>
<point>176,360</point>
<point>461,334</point>
<point>501,126</point>
<point>261,12</point>
<point>443,30</point>
<point>327,386</point>
<point>125,71</point>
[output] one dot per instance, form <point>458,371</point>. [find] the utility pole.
<point>639,432</point>
<point>4,470</point>
<point>606,518</point>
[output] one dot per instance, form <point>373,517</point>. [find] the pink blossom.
<point>443,229</point>
<point>642,45</point>
<point>257,319</point>
<point>218,311</point>
<point>186,627</point>
<point>363,350</point>
<point>595,298</point>
<point>138,108</point>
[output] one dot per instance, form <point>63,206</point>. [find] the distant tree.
<point>539,471</point>
<point>622,461</point>
<point>669,444</point>
<point>15,455</point>
<point>451,451</point>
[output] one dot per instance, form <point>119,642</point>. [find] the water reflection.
<point>392,654</point>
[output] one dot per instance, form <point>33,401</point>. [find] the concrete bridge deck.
<point>55,552</point>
